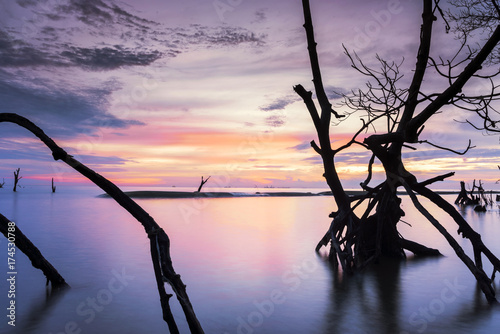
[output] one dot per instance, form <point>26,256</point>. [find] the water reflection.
<point>364,302</point>
<point>234,254</point>
<point>39,310</point>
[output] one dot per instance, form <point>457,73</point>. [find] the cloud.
<point>28,151</point>
<point>97,36</point>
<point>109,58</point>
<point>279,103</point>
<point>17,53</point>
<point>277,117</point>
<point>314,160</point>
<point>196,34</point>
<point>92,12</point>
<point>333,92</point>
<point>52,52</point>
<point>260,15</point>
<point>62,112</point>
<point>422,155</point>
<point>306,145</point>
<point>276,121</point>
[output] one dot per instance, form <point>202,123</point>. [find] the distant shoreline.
<point>210,194</point>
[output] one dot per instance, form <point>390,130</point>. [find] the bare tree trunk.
<point>202,184</point>
<point>462,197</point>
<point>16,178</point>
<point>160,243</point>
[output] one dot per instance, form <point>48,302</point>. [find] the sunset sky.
<point>160,93</point>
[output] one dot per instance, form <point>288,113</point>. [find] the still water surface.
<point>249,265</point>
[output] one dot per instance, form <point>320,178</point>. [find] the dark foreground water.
<point>249,265</point>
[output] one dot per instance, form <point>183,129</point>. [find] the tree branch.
<point>150,226</point>
<point>455,88</point>
<point>448,149</point>
<point>423,54</point>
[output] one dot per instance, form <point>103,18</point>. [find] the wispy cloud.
<point>306,145</point>
<point>109,58</point>
<point>279,103</point>
<point>62,112</point>
<point>64,61</point>
<point>260,15</point>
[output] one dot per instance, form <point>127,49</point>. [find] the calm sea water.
<point>249,265</point>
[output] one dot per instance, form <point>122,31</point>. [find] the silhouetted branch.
<point>33,253</point>
<point>458,84</point>
<point>315,146</point>
<point>436,179</point>
<point>480,275</point>
<point>156,234</point>
<point>448,149</point>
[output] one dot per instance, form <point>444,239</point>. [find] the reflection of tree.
<point>39,311</point>
<point>366,303</point>
<point>159,240</point>
<point>394,117</point>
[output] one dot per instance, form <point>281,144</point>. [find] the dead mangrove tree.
<point>393,114</point>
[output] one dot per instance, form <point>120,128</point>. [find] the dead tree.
<point>32,252</point>
<point>202,183</point>
<point>16,178</point>
<point>53,186</point>
<point>159,240</point>
<point>462,197</point>
<point>399,116</point>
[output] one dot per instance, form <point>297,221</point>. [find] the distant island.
<point>226,194</point>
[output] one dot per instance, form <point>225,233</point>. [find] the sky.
<point>160,93</point>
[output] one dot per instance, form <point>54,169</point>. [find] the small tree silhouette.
<point>202,183</point>
<point>16,178</point>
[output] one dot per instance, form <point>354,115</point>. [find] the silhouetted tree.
<point>463,198</point>
<point>16,178</point>
<point>202,183</point>
<point>399,115</point>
